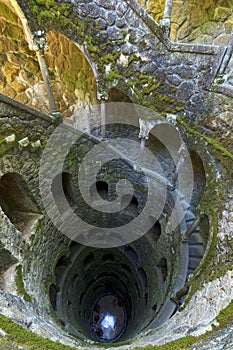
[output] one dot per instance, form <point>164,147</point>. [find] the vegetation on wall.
<point>17,335</point>
<point>20,284</point>
<point>210,141</point>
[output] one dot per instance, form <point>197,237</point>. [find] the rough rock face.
<point>112,51</point>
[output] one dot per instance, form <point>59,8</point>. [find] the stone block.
<point>10,138</point>
<point>174,80</point>
<point>121,9</point>
<point>225,3</point>
<point>207,4</point>
<point>100,24</point>
<point>110,18</point>
<point>184,31</point>
<point>9,91</point>
<point>204,39</point>
<point>27,77</point>
<point>22,97</point>
<point>185,91</point>
<point>32,65</point>
<point>222,39</point>
<point>18,86</point>
<point>197,17</point>
<point>93,11</point>
<point>228,26</point>
<point>219,14</point>
<point>107,4</point>
<point>212,28</point>
<point>24,142</point>
<point>10,71</point>
<point>194,36</point>
<point>120,23</point>
<point>115,34</point>
<point>179,15</point>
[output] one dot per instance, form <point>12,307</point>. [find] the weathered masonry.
<point>58,58</point>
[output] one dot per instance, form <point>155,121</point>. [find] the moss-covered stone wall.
<point>133,54</point>
<point>72,78</point>
<point>155,8</point>
<point>202,21</point>
<point>20,77</point>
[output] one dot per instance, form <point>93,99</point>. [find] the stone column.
<point>166,21</point>
<point>40,45</point>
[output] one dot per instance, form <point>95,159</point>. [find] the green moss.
<point>224,319</point>
<point>209,269</point>
<point>179,108</point>
<point>20,336</point>
<point>48,12</point>
<point>48,3</point>
<point>113,75</point>
<point>111,58</point>
<point>93,49</point>
<point>138,93</point>
<point>210,141</point>
<point>20,285</point>
<point>133,58</point>
<point>225,316</point>
<point>202,273</point>
<point>90,45</point>
<point>132,83</point>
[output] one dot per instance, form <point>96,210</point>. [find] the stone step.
<point>190,271</point>
<point>196,251</point>
<point>196,243</point>
<point>195,238</point>
<point>193,263</point>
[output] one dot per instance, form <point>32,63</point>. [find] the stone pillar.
<point>166,21</point>
<point>103,119</point>
<point>40,45</point>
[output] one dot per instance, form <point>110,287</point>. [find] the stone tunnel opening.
<point>17,201</point>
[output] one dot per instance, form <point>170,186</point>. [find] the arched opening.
<point>199,178</point>
<point>132,207</point>
<point>61,267</point>
<point>17,201</point>
<point>102,189</point>
<point>116,95</point>
<point>154,233</point>
<point>162,265</point>
<point>62,189</point>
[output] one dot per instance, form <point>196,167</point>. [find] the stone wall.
<point>131,53</point>
<point>136,56</point>
<point>72,78</point>
<point>196,21</point>
<point>20,77</point>
<point>154,8</point>
<point>202,21</point>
